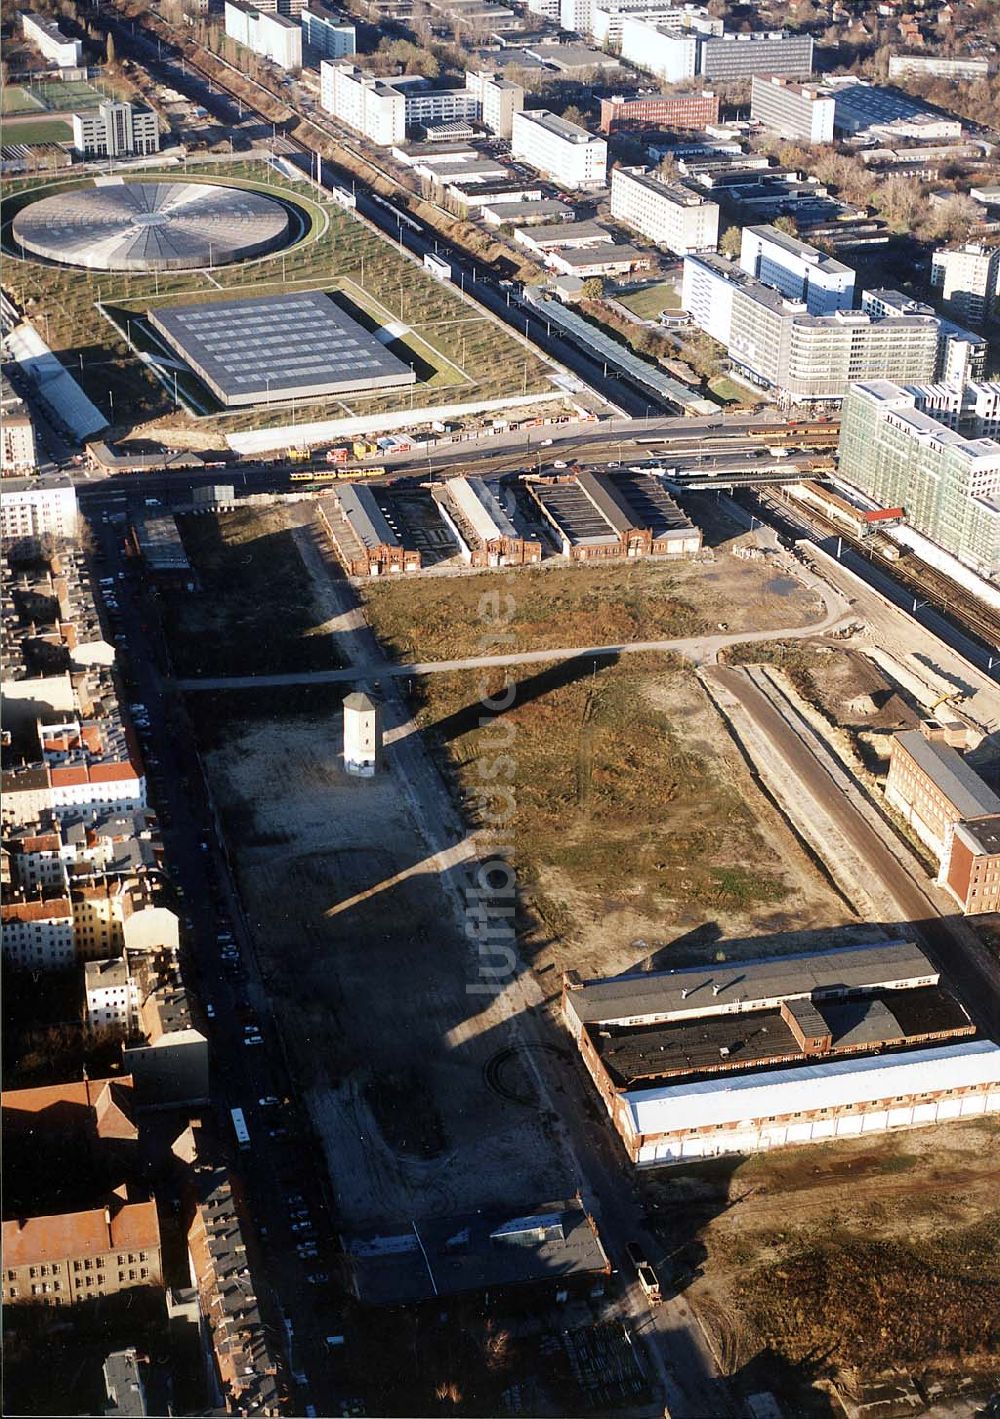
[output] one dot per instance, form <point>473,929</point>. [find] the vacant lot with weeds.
<point>633,817</point>
<point>852,1257</point>
<point>545,608</point>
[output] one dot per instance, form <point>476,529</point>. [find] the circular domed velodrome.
<point>152,226</point>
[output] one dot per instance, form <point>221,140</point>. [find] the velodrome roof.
<point>737,1099</point>
<point>698,990</point>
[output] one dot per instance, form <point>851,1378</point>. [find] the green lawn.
<point>728,391</point>
<point>651,301</point>
<point>14,99</point>
<point>34,132</point>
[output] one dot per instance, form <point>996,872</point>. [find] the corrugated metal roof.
<point>735,1099</point>
<point>945,766</point>
<point>698,990</point>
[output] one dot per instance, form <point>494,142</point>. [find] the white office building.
<point>31,507</point>
<point>383,110</point>
<point>968,277</point>
<point>674,215</point>
<point>606,18</point>
<point>678,51</point>
<point>272,36</point>
<point>563,151</point>
<point>775,343</point>
<point>116,130</point>
<point>802,113</point>
<point>50,41</point>
<point>799,271</point>
<point>329,35</point>
<point>961,353</point>
<point>499,100</point>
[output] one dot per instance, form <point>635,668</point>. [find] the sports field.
<point>32,132</point>
<point>14,99</point>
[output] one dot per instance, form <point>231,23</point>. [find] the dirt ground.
<point>445,618</point>
<point>337,888</point>
<point>850,1257</point>
<point>637,830</point>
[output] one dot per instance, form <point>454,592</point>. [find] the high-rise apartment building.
<point>332,36</point>
<point>961,352</point>
<point>671,214</point>
<point>948,484</point>
<point>607,18</point>
<point>114,130</point>
<point>563,151</point>
<point>968,277</point>
<point>802,113</point>
<point>499,98</point>
<point>271,35</point>
<point>799,271</point>
<point>383,109</point>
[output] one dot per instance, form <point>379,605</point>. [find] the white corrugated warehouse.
<point>840,1098</point>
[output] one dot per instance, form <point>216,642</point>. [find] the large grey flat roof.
<point>703,989</point>
<point>277,347</point>
<point>960,784</point>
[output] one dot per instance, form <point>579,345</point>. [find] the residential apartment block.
<point>675,215</point>
<point>675,51</point>
<point>18,452</point>
<point>382,110</point>
<point>50,41</point>
<point>81,1255</point>
<point>801,113</point>
<point>272,36</point>
<point>948,483</point>
<point>499,100</point>
<point>330,35</point>
<point>32,507</point>
<point>563,151</point>
<point>968,278</point>
<point>607,18</point>
<point>776,343</point>
<point>621,114</point>
<point>116,130</point>
<point>799,271</point>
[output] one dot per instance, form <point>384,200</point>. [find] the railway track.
<point>926,583</point>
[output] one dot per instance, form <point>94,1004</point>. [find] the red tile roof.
<point>81,1234</point>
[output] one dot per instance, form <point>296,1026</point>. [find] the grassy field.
<point>32,132</point>
<point>253,612</point>
<point>463,354</point>
<point>651,301</point>
<point>62,97</point>
<point>14,99</point>
<point>729,391</point>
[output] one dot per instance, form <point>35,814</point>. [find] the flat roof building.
<point>499,98</point>
<point>713,1060</point>
<point>383,109</point>
<point>563,151</point>
<point>675,52</point>
<point>269,349</point>
<point>114,130</point>
<point>968,278</point>
<point>863,110</point>
<point>799,271</point>
<point>778,345</point>
<point>273,36</point>
<point>674,215</point>
<point>329,34</point>
<point>801,113</point>
<point>903,457</point>
<point>628,114</point>
<point>50,41</point>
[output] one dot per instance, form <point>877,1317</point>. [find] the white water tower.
<point>362,734</point>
